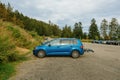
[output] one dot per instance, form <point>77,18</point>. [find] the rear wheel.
<point>75,54</point>
<point>41,54</point>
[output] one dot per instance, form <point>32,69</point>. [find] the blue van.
<point>60,46</point>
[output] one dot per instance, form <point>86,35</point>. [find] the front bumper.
<point>35,52</point>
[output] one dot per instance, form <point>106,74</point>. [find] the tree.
<point>104,29</point>
<point>10,13</point>
<point>118,32</point>
<point>84,35</point>
<point>66,32</point>
<point>113,26</point>
<point>2,10</point>
<point>27,23</point>
<point>93,30</point>
<point>56,31</point>
<point>77,31</point>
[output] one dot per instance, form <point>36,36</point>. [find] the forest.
<point>106,31</point>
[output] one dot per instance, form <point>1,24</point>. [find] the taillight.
<point>81,46</point>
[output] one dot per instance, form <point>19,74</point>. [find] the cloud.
<point>63,12</point>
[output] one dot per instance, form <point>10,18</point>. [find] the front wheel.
<point>75,54</point>
<point>41,54</point>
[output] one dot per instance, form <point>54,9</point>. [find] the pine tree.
<point>118,32</point>
<point>93,30</point>
<point>84,35</point>
<point>104,29</point>
<point>9,13</point>
<point>113,26</point>
<point>77,31</point>
<point>3,11</point>
<point>56,31</point>
<point>66,32</point>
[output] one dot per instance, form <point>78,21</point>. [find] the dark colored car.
<point>60,46</point>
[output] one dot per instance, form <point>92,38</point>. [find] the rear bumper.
<point>82,52</point>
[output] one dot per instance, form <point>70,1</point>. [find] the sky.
<point>62,12</point>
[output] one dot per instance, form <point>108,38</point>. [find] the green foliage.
<point>13,57</point>
<point>113,29</point>
<point>104,29</point>
<point>5,48</point>
<point>56,31</point>
<point>7,51</point>
<point>66,32</point>
<point>37,39</point>
<point>85,36</point>
<point>20,39</point>
<point>6,70</point>
<point>93,30</point>
<point>33,34</point>
<point>7,55</point>
<point>118,32</point>
<point>15,32</point>
<point>77,31</point>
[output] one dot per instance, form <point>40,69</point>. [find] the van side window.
<point>55,42</point>
<point>74,41</point>
<point>65,42</point>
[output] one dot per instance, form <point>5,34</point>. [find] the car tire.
<point>75,54</point>
<point>41,54</point>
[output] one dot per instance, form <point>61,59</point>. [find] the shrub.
<point>12,57</point>
<point>3,59</point>
<point>33,34</point>
<point>15,32</point>
<point>6,47</point>
<point>20,40</point>
<point>7,51</point>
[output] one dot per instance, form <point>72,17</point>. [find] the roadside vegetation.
<point>15,43</point>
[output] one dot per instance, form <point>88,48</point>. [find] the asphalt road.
<point>103,64</point>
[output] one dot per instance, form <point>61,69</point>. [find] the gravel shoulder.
<point>103,64</point>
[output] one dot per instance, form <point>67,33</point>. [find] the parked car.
<point>97,41</point>
<point>60,46</point>
<point>104,42</point>
<point>118,42</point>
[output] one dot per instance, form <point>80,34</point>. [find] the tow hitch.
<point>88,50</point>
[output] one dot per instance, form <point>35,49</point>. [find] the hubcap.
<point>75,54</point>
<point>41,54</point>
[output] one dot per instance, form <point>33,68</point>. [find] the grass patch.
<point>6,70</point>
<point>86,40</point>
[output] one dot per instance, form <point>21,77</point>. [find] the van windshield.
<point>44,43</point>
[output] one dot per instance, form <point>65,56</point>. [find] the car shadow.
<point>59,56</point>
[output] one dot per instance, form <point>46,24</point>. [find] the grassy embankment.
<point>15,43</point>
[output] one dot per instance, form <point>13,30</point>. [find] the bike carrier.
<point>88,50</point>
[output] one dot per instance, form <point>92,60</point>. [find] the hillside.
<point>14,40</point>
<point>41,28</point>
<point>15,43</point>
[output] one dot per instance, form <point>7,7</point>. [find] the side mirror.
<point>42,43</point>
